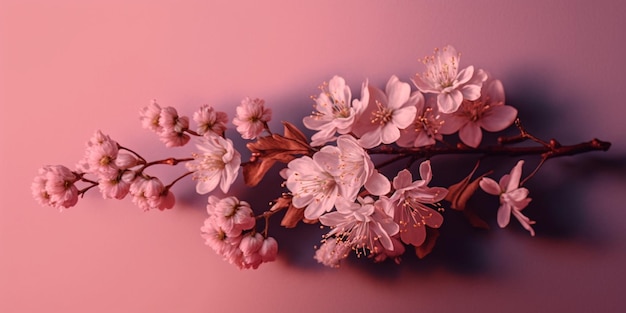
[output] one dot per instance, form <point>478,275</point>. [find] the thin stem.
<point>168,161</point>
<point>543,160</point>
<point>267,128</point>
<point>391,160</point>
<point>177,179</point>
<point>550,151</point>
<point>141,159</point>
<point>191,132</point>
<point>525,134</point>
<point>84,190</point>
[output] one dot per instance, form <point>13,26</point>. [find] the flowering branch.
<point>552,150</point>
<point>331,178</point>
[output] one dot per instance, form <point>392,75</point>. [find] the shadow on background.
<point>557,190</point>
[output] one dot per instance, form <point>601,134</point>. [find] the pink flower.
<point>442,77</point>
<point>218,163</point>
<point>116,187</point>
<point>353,168</point>
<point>387,112</point>
<point>100,156</point>
<point>412,199</point>
<point>232,215</point>
<point>173,128</point>
<point>425,130</point>
<point>219,240</point>
<point>487,112</point>
<point>252,117</point>
<point>335,111</point>
<point>210,121</point>
<point>150,116</point>
<point>54,186</point>
<point>149,193</point>
<point>268,250</point>
<point>125,161</point>
<point>312,186</point>
<point>164,201</point>
<point>361,225</point>
<point>513,198</point>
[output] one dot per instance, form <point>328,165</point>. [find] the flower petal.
<point>404,117</point>
<point>403,179</point>
<point>504,215</point>
<point>426,172</point>
<point>423,86</point>
<point>378,184</point>
<point>495,92</point>
<point>434,219</point>
<point>518,194</point>
<point>516,173</point>
<point>449,102</point>
<point>397,92</point>
<point>498,117</point>
<point>452,123</point>
<point>389,133</point>
<point>490,186</point>
<point>413,235</point>
<point>471,134</point>
<point>465,75</point>
<point>370,139</point>
<point>471,92</point>
<point>525,221</point>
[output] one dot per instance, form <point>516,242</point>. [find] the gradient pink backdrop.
<point>68,68</point>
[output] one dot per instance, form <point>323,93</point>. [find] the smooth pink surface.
<point>68,68</point>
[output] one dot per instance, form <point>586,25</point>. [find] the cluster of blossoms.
<point>229,231</point>
<point>331,179</point>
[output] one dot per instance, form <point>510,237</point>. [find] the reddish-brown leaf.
<point>268,150</point>
<point>292,132</point>
<point>461,192</point>
<point>253,172</point>
<point>292,217</point>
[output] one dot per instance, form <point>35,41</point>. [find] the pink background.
<point>68,68</point>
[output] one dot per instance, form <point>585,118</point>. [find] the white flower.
<point>443,78</point>
<point>218,163</point>
<point>353,168</point>
<point>513,198</point>
<point>335,112</point>
<point>312,186</point>
<point>387,112</point>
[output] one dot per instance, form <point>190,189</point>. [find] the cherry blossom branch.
<point>552,150</point>
<point>330,177</point>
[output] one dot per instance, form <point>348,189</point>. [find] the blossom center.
<point>428,123</point>
<point>382,115</point>
<point>474,110</point>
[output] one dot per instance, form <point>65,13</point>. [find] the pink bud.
<point>269,249</point>
<point>251,244</point>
